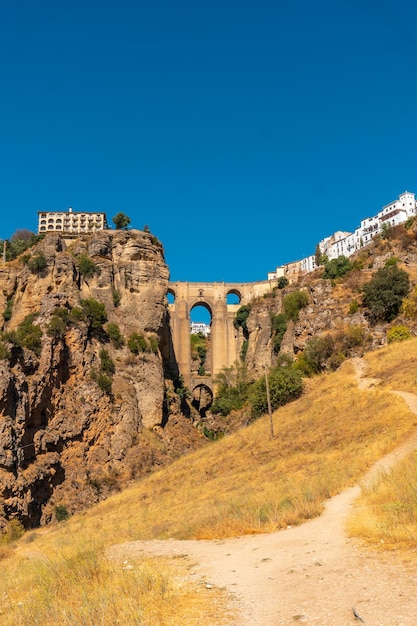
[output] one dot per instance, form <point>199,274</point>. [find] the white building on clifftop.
<point>345,244</point>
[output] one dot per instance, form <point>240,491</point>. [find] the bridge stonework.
<point>224,338</point>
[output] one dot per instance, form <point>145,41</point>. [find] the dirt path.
<point>311,574</point>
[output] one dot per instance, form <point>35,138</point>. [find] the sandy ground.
<point>310,574</point>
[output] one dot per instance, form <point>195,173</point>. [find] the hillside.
<point>88,380</point>
<point>325,443</point>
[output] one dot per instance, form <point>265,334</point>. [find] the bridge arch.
<point>225,341</point>
<point>202,398</point>
<point>233,296</point>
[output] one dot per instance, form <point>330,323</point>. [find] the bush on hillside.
<point>241,318</point>
<point>279,326</point>
<point>409,305</point>
<point>19,242</point>
<point>384,293</point>
<point>285,384</point>
<point>7,313</point>
<point>106,362</point>
<point>37,262</point>
<point>232,384</point>
<point>29,335</point>
<point>95,313</point>
<point>337,267</point>
<point>317,351</point>
<point>137,343</point>
<point>116,297</point>
<point>87,267</point>
<point>398,333</point>
<point>292,304</point>
<point>115,335</point>
<point>56,327</point>
<point>282,282</point>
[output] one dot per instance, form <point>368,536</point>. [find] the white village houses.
<point>343,243</point>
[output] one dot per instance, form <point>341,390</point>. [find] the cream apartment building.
<point>71,222</point>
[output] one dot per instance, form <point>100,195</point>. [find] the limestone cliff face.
<point>66,438</point>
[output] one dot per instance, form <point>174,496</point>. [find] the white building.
<point>71,222</point>
<point>200,327</point>
<point>344,243</point>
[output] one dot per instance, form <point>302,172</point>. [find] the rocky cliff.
<point>329,310</point>
<point>81,406</point>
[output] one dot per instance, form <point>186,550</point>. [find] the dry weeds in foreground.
<point>385,515</point>
<point>245,483</point>
<point>395,365</point>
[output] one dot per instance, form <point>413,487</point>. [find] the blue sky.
<point>241,132</point>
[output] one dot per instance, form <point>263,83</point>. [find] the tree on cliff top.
<point>121,221</point>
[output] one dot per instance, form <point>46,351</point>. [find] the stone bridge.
<point>224,339</point>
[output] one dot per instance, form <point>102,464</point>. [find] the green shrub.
<point>398,333</point>
<point>302,365</point>
<point>87,267</point>
<point>387,231</point>
<point>317,351</point>
<point>103,381</point>
<point>62,312</point>
<point>107,364</point>
<point>337,267</point>
<point>293,302</point>
<point>241,318</point>
<point>391,261</point>
<point>7,313</point>
<point>56,327</point>
<point>244,350</point>
<point>38,262</point>
<point>353,307</point>
<point>137,343</point>
<point>121,221</point>
<point>154,344</point>
<point>29,335</point>
<point>115,335</point>
<point>353,336</point>
<point>384,293</point>
<point>285,384</point>
<point>279,326</point>
<point>61,513</point>
<point>116,297</point>
<point>282,282</point>
<point>95,313</point>
<point>232,384</point>
<point>409,305</point>
<point>19,242</point>
<point>13,531</point>
<point>4,352</point>
<point>78,314</point>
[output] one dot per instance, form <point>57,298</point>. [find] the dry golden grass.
<point>395,365</point>
<point>385,515</point>
<point>64,578</point>
<point>244,483</point>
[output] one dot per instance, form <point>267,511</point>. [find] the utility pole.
<point>268,399</point>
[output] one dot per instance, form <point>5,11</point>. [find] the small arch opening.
<point>170,296</point>
<point>233,297</point>
<point>202,399</point>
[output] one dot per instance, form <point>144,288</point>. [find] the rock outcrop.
<point>80,413</point>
